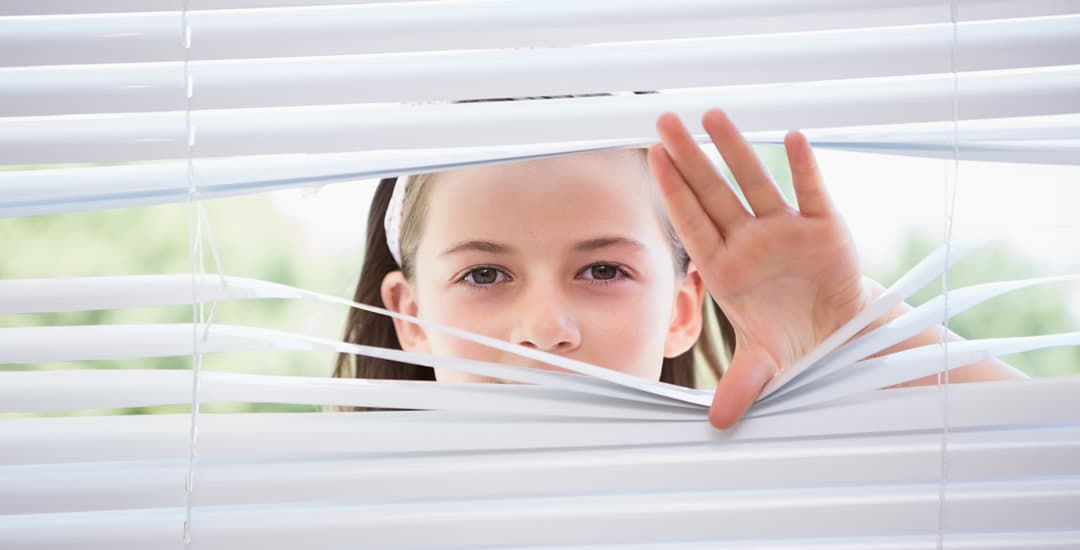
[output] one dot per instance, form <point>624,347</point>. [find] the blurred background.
<point>314,239</point>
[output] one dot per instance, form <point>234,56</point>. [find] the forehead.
<point>570,196</point>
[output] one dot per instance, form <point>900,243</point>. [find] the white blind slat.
<point>157,437</point>
<point>289,93</point>
<point>862,53</point>
<point>973,455</point>
<point>1054,139</point>
<point>422,26</point>
<point>626,518</point>
<point>32,391</point>
<point>138,137</point>
<point>67,7</point>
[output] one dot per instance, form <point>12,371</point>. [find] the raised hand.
<point>786,278</point>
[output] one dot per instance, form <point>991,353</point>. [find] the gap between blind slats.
<point>1050,139</point>
<point>814,56</point>
<point>71,190</point>
<point>89,342</point>
<point>150,136</point>
<point>409,26</point>
<point>119,342</point>
<point>31,344</point>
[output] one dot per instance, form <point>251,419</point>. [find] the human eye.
<point>603,273</point>
<point>484,276</point>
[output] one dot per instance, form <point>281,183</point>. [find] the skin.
<point>785,275</point>
<point>518,252</point>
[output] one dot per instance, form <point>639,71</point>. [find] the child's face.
<point>569,255</point>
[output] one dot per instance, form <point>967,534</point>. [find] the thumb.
<point>751,368</point>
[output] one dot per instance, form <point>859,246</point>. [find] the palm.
<point>785,282</point>
<point>785,278</point>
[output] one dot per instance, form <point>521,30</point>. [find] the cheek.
<point>459,310</point>
<point>628,334</point>
<point>450,310</point>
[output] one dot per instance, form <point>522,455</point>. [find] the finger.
<point>751,176</point>
<point>712,190</point>
<point>809,186</point>
<point>695,229</point>
<point>740,385</point>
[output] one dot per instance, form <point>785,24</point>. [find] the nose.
<point>545,321</point>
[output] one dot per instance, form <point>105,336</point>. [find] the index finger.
<point>751,176</point>
<point>712,190</point>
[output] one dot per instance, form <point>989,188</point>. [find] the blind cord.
<point>952,184</point>
<point>199,229</point>
<point>194,255</point>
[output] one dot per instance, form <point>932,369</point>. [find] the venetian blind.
<point>133,103</point>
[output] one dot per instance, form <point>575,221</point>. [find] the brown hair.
<point>372,329</point>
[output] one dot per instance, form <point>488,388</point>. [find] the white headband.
<point>395,211</point>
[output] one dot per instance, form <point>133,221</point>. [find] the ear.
<point>686,315</point>
<point>399,296</point>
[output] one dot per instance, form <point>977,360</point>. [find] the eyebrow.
<point>589,245</point>
<point>607,242</point>
<point>479,246</point>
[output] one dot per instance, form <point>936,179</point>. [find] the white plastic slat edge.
<point>421,26</point>
<point>328,80</point>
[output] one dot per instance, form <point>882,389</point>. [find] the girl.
<point>606,257</point>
